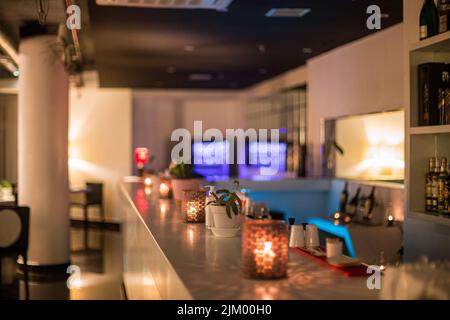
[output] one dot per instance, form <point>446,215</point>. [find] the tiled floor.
<point>100,271</point>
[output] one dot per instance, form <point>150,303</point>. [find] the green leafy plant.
<point>182,171</point>
<point>228,199</point>
<point>5,184</point>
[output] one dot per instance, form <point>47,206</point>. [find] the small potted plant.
<point>225,207</point>
<point>183,178</point>
<point>6,191</point>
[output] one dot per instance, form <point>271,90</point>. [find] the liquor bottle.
<point>443,94</point>
<point>444,12</point>
<point>343,198</point>
<point>434,186</point>
<point>447,94</point>
<point>442,178</point>
<point>447,192</point>
<point>353,204</point>
<point>430,79</point>
<point>369,204</point>
<point>429,185</point>
<point>429,20</point>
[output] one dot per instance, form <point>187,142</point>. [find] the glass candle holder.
<point>165,189</point>
<point>193,206</point>
<point>265,249</point>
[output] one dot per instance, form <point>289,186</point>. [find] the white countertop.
<point>210,268</point>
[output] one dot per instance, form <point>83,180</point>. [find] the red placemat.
<point>356,271</point>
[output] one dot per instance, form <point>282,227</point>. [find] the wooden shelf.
<point>438,43</point>
<point>430,130</point>
<point>430,218</point>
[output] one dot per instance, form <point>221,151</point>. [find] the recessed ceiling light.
<point>200,77</point>
<point>189,48</point>
<point>287,12</point>
<point>307,50</point>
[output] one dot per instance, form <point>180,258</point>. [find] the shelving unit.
<point>422,142</point>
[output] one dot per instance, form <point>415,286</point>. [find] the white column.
<point>42,149</point>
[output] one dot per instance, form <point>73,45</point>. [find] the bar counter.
<point>185,261</point>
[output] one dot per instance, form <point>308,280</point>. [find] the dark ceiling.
<point>144,48</point>
<point>165,48</point>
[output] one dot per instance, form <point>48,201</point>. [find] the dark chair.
<point>92,197</point>
<point>14,229</point>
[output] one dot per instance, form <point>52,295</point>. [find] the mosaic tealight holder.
<point>193,205</point>
<point>265,249</point>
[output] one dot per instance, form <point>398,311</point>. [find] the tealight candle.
<point>164,190</point>
<point>193,206</point>
<point>148,181</point>
<point>265,249</point>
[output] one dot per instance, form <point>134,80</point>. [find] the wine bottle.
<point>444,19</point>
<point>343,198</point>
<point>441,185</point>
<point>369,204</point>
<point>353,204</point>
<point>447,191</point>
<point>429,20</point>
<point>429,185</point>
<point>443,93</point>
<point>434,186</point>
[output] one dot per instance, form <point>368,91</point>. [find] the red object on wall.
<point>141,157</point>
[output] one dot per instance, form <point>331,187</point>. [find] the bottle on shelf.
<point>343,199</point>
<point>434,186</point>
<point>447,192</point>
<point>353,204</point>
<point>444,12</point>
<point>444,91</point>
<point>429,185</point>
<point>430,82</point>
<point>429,20</point>
<point>442,178</point>
<point>369,204</point>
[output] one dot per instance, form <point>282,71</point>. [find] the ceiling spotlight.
<point>287,12</point>
<point>307,50</point>
<point>188,48</point>
<point>200,77</point>
<point>171,70</point>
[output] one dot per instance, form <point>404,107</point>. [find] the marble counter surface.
<point>186,261</point>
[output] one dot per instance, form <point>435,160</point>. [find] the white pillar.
<point>42,149</point>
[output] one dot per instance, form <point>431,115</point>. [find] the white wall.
<point>157,113</point>
<point>361,77</point>
<point>100,141</point>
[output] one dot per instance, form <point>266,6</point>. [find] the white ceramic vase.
<point>221,219</point>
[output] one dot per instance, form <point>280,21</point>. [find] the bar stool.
<point>92,197</point>
<point>14,229</point>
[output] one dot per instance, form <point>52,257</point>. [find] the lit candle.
<point>191,211</point>
<point>148,181</point>
<point>164,190</point>
<point>193,206</point>
<point>265,249</point>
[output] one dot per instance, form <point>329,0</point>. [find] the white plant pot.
<point>221,219</point>
<point>178,185</point>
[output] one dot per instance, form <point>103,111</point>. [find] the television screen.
<point>210,159</point>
